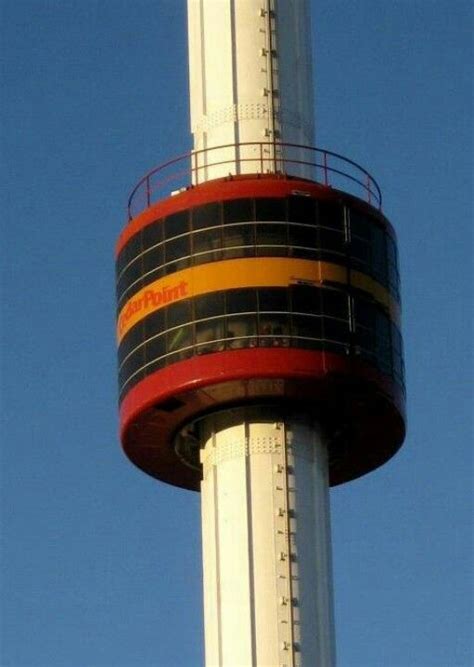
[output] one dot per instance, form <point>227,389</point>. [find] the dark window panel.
<point>273,299</point>
<point>180,355</point>
<point>132,248</point>
<point>177,249</point>
<point>307,326</point>
<point>238,210</point>
<point>241,301</point>
<point>125,388</point>
<point>176,224</point>
<point>307,343</point>
<point>270,209</point>
<point>383,347</point>
<point>152,234</point>
<point>155,366</point>
<point>152,259</point>
<point>128,280</point>
<point>154,323</point>
<point>360,225</point>
<point>130,341</point>
<point>365,339</point>
<point>178,313</point>
<point>335,304</point>
<point>238,235</point>
<point>208,215</point>
<point>233,253</point>
<point>305,299</point>
<point>205,257</point>
<point>305,253</point>
<point>209,305</point>
<point>269,234</point>
<point>331,214</point>
<point>302,209</point>
<point>360,251</point>
<point>335,330</point>
<point>379,256</point>
<point>206,241</point>
<point>331,240</point>
<point>365,312</point>
<point>179,338</point>
<point>305,237</point>
<point>133,363</point>
<point>155,348</point>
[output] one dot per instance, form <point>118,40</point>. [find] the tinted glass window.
<point>365,338</point>
<point>273,325</point>
<point>177,223</point>
<point>178,313</point>
<point>155,348</point>
<point>360,225</point>
<point>306,299</point>
<point>131,274</point>
<point>131,341</point>
<point>242,329</point>
<point>241,301</point>
<point>154,323</point>
<point>379,259</point>
<point>335,304</point>
<point>238,235</point>
<point>206,216</point>
<point>330,214</point>
<point>177,248</point>
<point>302,209</point>
<point>305,237</point>
<point>152,234</point>
<point>332,240</point>
<point>365,313</point>
<point>209,305</point>
<point>209,335</point>
<point>360,250</point>
<point>335,330</point>
<point>270,209</point>
<point>207,240</point>
<point>152,259</point>
<point>179,338</point>
<point>269,234</point>
<point>307,326</point>
<point>273,299</point>
<point>238,210</point>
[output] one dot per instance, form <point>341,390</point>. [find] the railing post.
<point>369,198</point>
<point>326,181</point>
<point>261,157</point>
<point>148,196</point>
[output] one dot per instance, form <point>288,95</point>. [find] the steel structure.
<point>260,354</point>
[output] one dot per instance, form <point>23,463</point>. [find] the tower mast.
<point>258,330</point>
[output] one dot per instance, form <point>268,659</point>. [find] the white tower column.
<point>250,77</point>
<point>266,542</point>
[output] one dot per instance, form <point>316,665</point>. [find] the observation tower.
<point>258,329</point>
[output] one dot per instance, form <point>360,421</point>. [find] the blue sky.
<point>101,566</point>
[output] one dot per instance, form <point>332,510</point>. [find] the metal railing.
<point>281,159</point>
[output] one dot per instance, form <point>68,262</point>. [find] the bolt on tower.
<point>260,354</point>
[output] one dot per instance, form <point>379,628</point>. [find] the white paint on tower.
<point>251,84</point>
<point>266,541</point>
